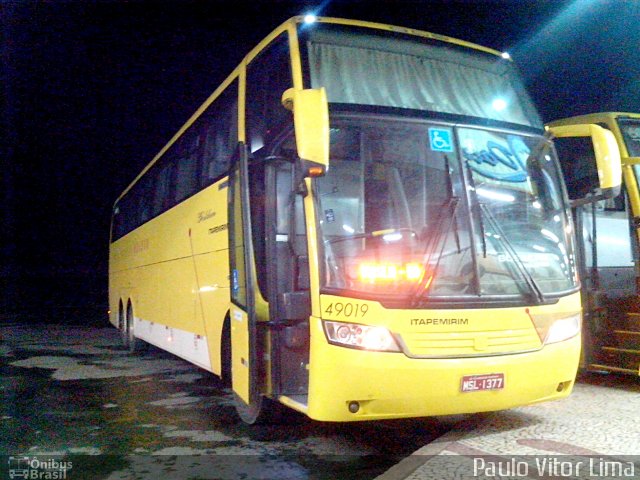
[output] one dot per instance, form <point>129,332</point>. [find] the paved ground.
<point>594,433</point>
<point>73,395</point>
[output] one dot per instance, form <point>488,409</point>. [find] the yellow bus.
<point>362,222</point>
<point>609,235</point>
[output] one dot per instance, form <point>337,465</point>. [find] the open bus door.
<point>602,233</point>
<point>280,337</point>
<point>243,329</point>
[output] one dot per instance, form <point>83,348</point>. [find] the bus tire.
<point>121,321</point>
<point>256,413</point>
<point>130,342</point>
<point>263,411</point>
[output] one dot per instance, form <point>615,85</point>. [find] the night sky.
<point>91,91</point>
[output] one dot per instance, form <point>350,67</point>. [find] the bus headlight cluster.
<point>364,337</point>
<point>563,329</point>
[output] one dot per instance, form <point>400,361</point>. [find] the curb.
<point>410,464</point>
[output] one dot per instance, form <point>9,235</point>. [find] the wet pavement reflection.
<point>74,394</point>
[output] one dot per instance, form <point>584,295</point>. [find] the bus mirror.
<point>311,120</point>
<point>607,154</point>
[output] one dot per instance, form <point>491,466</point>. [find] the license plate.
<point>477,383</point>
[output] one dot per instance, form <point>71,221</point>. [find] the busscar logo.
<point>439,321</point>
<point>205,215</point>
<point>37,468</point>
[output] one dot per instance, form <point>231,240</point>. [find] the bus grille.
<point>452,344</point>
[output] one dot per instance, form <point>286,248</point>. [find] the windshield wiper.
<point>476,204</point>
<point>532,285</point>
<point>450,207</point>
<point>435,240</point>
<point>452,196</point>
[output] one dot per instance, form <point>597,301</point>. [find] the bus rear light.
<point>364,337</point>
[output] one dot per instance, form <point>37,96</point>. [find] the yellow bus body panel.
<point>174,270</point>
<point>240,353</point>
<point>392,385</point>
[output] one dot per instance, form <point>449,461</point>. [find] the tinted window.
<point>163,184</point>
<point>198,158</point>
<point>220,136</point>
<point>143,192</point>
<point>187,165</point>
<point>268,76</point>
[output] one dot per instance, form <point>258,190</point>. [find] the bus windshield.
<point>422,211</point>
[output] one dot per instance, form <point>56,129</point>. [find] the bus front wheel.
<point>264,410</point>
<point>257,412</point>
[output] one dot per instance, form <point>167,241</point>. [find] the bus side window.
<point>268,76</point>
<point>162,192</point>
<point>117,222</point>
<point>144,192</point>
<point>186,183</point>
<point>127,212</point>
<point>220,136</point>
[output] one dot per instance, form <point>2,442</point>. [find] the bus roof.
<point>397,29</point>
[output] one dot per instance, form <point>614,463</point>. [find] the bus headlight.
<point>364,337</point>
<point>563,329</point>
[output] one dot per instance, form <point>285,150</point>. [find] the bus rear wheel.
<point>129,341</point>
<point>122,323</point>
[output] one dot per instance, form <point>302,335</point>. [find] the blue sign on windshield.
<point>440,140</point>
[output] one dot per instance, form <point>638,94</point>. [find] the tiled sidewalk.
<point>600,418</point>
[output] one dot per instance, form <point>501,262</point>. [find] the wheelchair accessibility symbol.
<point>440,140</point>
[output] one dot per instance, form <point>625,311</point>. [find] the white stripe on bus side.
<point>184,344</point>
